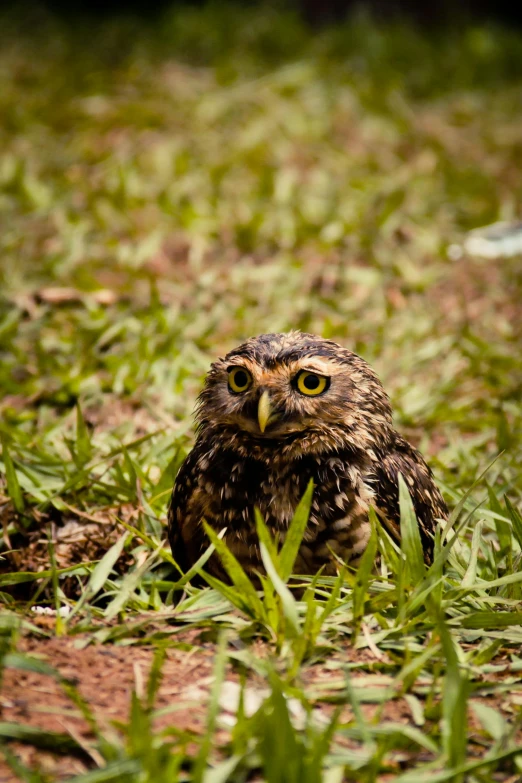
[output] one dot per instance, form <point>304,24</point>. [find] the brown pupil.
<point>240,378</point>
<point>311,382</point>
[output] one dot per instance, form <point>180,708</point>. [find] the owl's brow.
<point>297,356</point>
<point>270,355</point>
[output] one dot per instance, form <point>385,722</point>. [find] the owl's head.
<point>296,389</point>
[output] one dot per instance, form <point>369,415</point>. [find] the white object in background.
<point>63,611</point>
<point>498,240</point>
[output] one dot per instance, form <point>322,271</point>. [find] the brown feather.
<point>343,439</point>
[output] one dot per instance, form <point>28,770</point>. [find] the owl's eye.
<point>239,379</point>
<point>311,384</point>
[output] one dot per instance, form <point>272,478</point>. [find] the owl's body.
<point>276,412</point>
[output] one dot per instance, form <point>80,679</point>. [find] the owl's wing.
<point>186,539</point>
<point>428,502</point>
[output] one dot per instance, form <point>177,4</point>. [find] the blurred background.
<point>441,11</point>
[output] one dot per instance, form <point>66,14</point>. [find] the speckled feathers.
<point>343,439</point>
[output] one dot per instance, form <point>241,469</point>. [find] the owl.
<point>275,412</point>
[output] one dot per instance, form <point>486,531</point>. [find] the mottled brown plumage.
<point>277,411</point>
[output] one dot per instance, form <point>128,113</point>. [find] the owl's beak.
<point>265,411</point>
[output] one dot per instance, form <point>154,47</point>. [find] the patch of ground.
<point>105,677</point>
<point>75,540</point>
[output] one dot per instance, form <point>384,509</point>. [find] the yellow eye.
<point>311,384</point>
<point>239,379</point>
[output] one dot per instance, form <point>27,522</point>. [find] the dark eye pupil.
<point>240,379</point>
<point>311,382</point>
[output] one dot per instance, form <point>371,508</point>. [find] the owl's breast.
<point>227,490</point>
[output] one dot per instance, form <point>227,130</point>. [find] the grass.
<point>168,188</point>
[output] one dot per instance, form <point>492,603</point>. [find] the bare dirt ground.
<point>107,675</point>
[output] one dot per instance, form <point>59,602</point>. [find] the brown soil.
<point>76,539</point>
<point>105,676</point>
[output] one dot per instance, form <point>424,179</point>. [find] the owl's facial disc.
<point>297,389</point>
<point>274,403</point>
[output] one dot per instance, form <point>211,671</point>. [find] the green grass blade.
<point>425,773</point>
<point>510,579</point>
<point>229,592</point>
<point>125,770</point>
<point>198,771</point>
<point>516,519</point>
<point>411,544</point>
<point>32,576</point>
<point>265,538</point>
<point>360,721</point>
<point>83,445</point>
<point>471,571</point>
<point>13,487</point>
<point>278,746</point>
<point>104,568</point>
<point>155,676</point>
<point>455,514</point>
<point>295,533</point>
<point>30,664</point>
<point>490,620</point>
<point>504,530</point>
<point>237,575</point>
<point>492,721</point>
<point>129,584</point>
<point>362,577</point>
<point>47,740</point>
<point>22,772</point>
<point>222,773</point>
<point>454,703</point>
<point>287,599</point>
<point>99,575</point>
